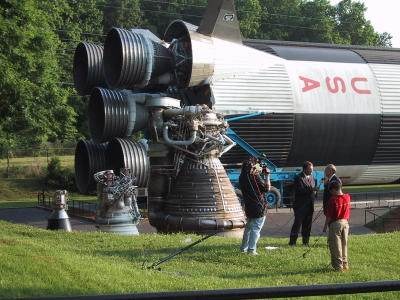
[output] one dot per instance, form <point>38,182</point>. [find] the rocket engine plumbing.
<point>189,189</point>
<point>117,209</point>
<point>133,82</point>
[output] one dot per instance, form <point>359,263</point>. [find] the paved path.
<point>278,223</point>
<point>38,217</point>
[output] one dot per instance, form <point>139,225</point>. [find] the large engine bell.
<point>202,200</point>
<point>199,197</point>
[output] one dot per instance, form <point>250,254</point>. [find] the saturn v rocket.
<point>323,103</point>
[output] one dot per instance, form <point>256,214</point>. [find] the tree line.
<point>38,38</point>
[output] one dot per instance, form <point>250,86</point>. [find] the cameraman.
<point>253,188</point>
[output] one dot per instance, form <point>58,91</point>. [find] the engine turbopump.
<point>117,208</point>
<point>189,189</point>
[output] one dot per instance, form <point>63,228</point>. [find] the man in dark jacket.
<point>330,177</point>
<point>303,206</point>
<point>253,188</point>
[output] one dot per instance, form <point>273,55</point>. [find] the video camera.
<point>260,167</point>
<point>264,168</point>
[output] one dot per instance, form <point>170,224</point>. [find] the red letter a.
<point>309,84</point>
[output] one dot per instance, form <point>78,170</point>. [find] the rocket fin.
<point>220,20</point>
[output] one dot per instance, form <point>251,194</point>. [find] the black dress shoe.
<point>292,241</point>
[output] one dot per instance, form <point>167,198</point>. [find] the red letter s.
<point>337,81</point>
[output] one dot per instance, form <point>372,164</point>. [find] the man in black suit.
<point>303,206</point>
<point>330,177</point>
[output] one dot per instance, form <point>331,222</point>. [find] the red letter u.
<point>357,90</point>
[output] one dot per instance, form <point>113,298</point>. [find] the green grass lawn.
<point>22,192</point>
<point>26,179</point>
<point>35,162</point>
<point>19,189</point>
<point>36,262</point>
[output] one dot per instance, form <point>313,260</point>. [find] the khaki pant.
<point>337,240</point>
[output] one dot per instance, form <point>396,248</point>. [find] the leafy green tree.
<point>159,14</point>
<point>33,106</point>
<point>317,23</point>
<point>385,39</point>
<point>37,99</point>
<point>249,14</point>
<point>59,177</point>
<point>279,18</point>
<point>313,21</point>
<point>354,28</point>
<point>121,13</point>
<point>191,10</point>
<point>75,21</point>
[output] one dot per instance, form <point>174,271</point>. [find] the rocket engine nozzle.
<point>133,60</point>
<point>88,68</point>
<point>115,114</point>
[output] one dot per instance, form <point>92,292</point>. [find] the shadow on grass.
<point>149,256</point>
<point>216,250</point>
<point>273,272</point>
<point>228,254</point>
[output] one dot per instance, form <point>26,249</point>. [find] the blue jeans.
<point>251,234</point>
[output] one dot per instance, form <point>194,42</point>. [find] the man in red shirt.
<point>337,216</point>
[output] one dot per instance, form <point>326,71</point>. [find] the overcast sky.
<point>384,16</point>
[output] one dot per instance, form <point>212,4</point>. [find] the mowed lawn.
<point>36,262</point>
<point>34,162</point>
<point>26,177</point>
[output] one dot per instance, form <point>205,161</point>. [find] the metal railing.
<point>378,197</point>
<point>380,220</point>
<point>77,208</point>
<point>360,199</point>
<point>37,152</point>
<point>83,209</point>
<point>44,200</point>
<point>384,199</point>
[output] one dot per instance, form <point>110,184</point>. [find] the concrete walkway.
<point>278,224</point>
